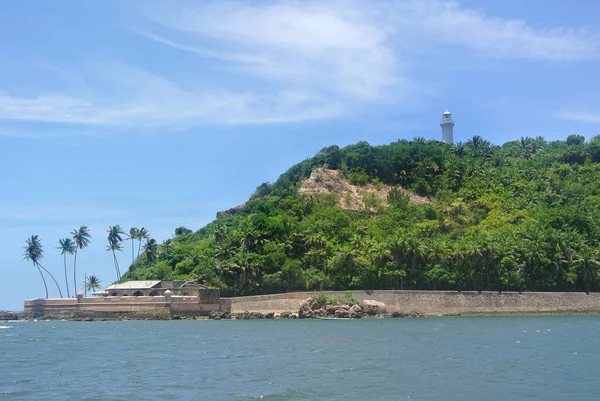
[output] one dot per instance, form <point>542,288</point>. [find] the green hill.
<point>412,214</point>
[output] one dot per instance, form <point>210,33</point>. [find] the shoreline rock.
<point>367,308</point>
<point>8,315</point>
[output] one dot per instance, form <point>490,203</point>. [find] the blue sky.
<point>160,114</point>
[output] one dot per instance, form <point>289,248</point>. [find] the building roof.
<point>134,285</point>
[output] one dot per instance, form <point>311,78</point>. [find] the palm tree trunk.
<point>43,279</point>
<point>132,259</point>
<point>139,247</point>
<point>55,282</point>
<point>75,272</point>
<point>66,280</point>
<point>116,265</point>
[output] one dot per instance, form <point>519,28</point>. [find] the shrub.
<point>349,299</point>
<point>359,178</point>
<point>323,299</point>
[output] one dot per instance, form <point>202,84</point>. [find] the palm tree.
<point>81,237</point>
<point>587,258</point>
<point>380,254</point>
<point>67,247</point>
<point>92,283</point>
<point>114,244</point>
<point>34,251</point>
<point>143,234</point>
<point>150,248</point>
<point>220,234</point>
<point>416,251</point>
<point>166,249</point>
<point>398,247</point>
<point>131,236</point>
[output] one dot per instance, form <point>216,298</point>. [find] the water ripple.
<point>422,359</point>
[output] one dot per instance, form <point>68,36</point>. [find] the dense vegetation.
<point>521,216</point>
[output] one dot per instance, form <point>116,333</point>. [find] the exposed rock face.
<point>351,197</point>
<point>232,211</point>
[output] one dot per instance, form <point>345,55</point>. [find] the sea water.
<point>463,358</point>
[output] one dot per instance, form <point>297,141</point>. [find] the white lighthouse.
<point>447,127</point>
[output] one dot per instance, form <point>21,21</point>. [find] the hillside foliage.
<point>521,216</point>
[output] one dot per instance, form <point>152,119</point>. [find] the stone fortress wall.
<point>431,303</point>
<point>434,303</point>
<point>136,307</point>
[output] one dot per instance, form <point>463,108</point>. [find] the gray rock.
<point>304,314</point>
<point>7,315</point>
<point>372,307</point>
<point>341,312</point>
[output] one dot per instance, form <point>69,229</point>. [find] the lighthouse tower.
<point>447,127</point>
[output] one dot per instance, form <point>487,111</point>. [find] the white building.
<point>447,127</point>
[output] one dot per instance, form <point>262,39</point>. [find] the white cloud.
<point>330,47</point>
<point>145,100</point>
<point>288,61</point>
<point>580,116</point>
<point>449,23</point>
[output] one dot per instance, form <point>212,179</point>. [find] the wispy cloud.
<point>449,23</point>
<point>145,100</point>
<point>333,46</point>
<point>580,116</point>
<point>284,62</point>
<point>21,213</point>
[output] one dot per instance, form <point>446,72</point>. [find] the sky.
<point>160,114</point>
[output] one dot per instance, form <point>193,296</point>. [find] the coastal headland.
<point>394,303</point>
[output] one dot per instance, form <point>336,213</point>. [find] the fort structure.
<point>434,303</point>
<point>155,287</point>
<point>133,299</point>
<point>447,128</point>
<point>425,303</point>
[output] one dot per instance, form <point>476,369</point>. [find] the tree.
<point>398,247</point>
<point>380,255</point>
<point>150,248</point>
<point>180,231</point>
<point>505,217</point>
<point>92,283</point>
<point>67,247</point>
<point>587,258</point>
<point>81,237</point>
<point>34,251</point>
<point>114,244</point>
<point>166,249</point>
<point>143,234</point>
<point>132,236</point>
<point>574,140</point>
